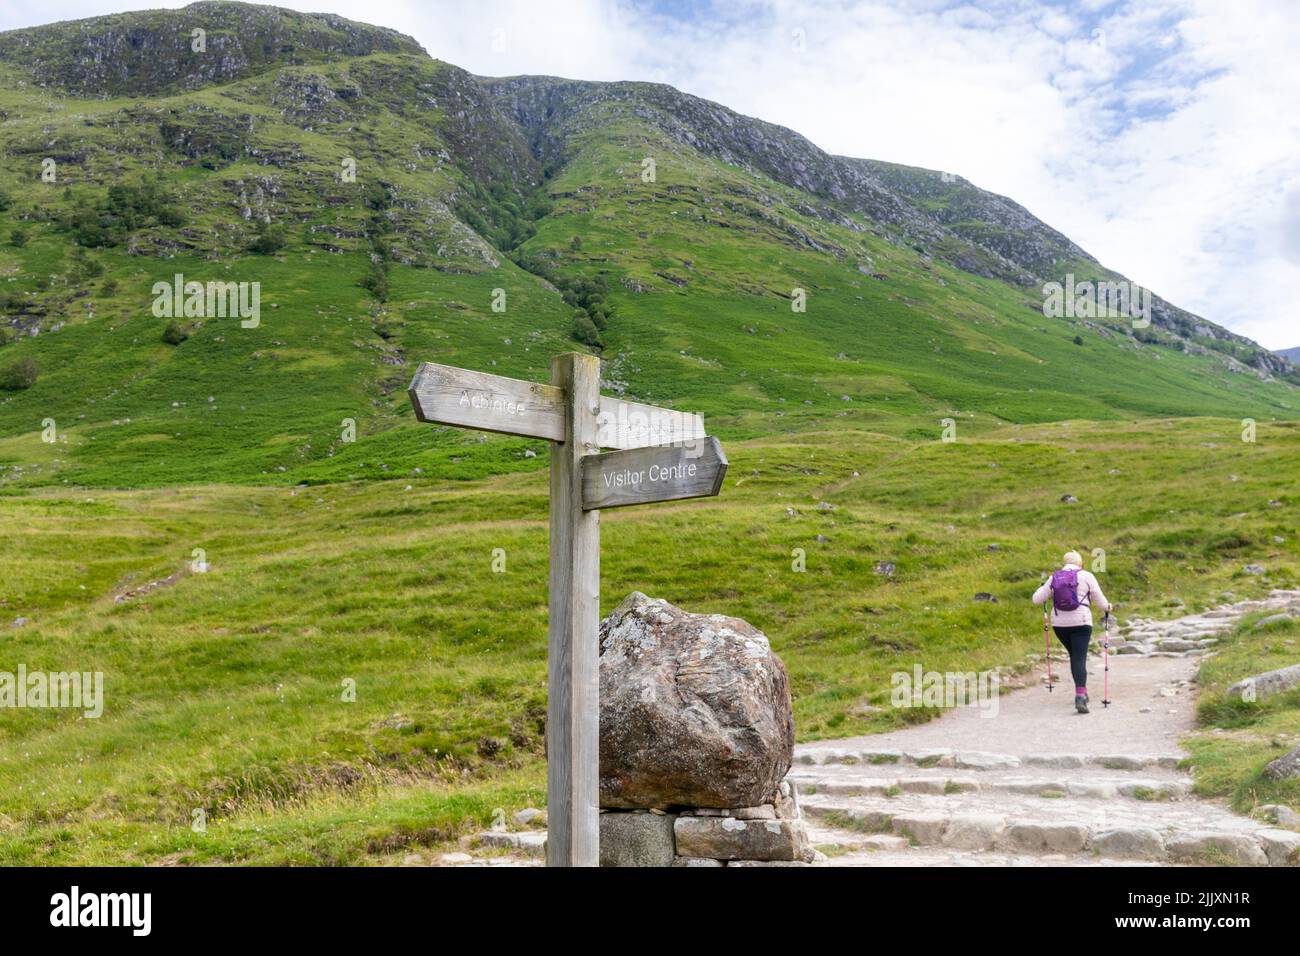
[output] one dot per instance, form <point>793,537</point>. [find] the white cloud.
<point>1159,135</point>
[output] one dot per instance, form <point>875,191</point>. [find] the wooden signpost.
<point>662,455</point>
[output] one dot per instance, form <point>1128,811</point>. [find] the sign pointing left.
<point>444,395</point>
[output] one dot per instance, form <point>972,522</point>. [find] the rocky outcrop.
<point>939,214</point>
<point>694,710</point>
<point>153,51</point>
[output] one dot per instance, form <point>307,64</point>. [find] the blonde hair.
<point>1072,557</point>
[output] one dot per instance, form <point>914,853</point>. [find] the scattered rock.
<point>1282,847</point>
<point>20,621</point>
<point>1273,619</point>
<point>1070,499</point>
<point>1284,768</point>
<point>1254,569</point>
<point>985,596</point>
<point>1265,685</point>
<point>885,568</point>
<point>1281,815</point>
<point>533,844</point>
<point>528,815</point>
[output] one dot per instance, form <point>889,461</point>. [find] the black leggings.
<point>1076,641</point>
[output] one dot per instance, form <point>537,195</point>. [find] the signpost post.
<point>663,455</point>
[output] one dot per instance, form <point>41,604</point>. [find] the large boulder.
<point>694,710</point>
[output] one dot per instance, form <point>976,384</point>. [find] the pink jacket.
<point>1089,593</point>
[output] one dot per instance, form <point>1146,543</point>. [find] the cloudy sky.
<point>1161,135</point>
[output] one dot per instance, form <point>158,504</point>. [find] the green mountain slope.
<point>923,295</point>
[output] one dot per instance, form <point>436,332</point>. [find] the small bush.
<point>585,331</point>
<point>123,210</point>
<point>18,375</point>
<point>84,267</point>
<point>269,240</point>
<point>18,238</point>
<point>376,282</point>
<point>174,333</point>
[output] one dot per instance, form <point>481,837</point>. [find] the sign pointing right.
<point>642,475</point>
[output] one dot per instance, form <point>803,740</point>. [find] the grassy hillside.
<point>224,688</point>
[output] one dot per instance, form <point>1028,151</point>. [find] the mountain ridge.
<point>929,207</point>
<point>754,276</point>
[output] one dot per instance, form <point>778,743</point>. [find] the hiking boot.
<point>1081,703</point>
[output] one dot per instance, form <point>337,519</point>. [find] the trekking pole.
<point>1047,643</point>
<point>1105,661</point>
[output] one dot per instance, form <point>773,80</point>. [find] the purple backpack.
<point>1065,589</point>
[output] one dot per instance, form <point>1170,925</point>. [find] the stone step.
<point>844,849</point>
<point>850,780</point>
<point>817,756</point>
<point>1122,829</point>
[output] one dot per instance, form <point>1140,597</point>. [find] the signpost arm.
<point>573,710</point>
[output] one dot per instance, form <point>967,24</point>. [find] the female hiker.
<point>1074,592</point>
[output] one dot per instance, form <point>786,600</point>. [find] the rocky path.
<point>1037,784</point>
